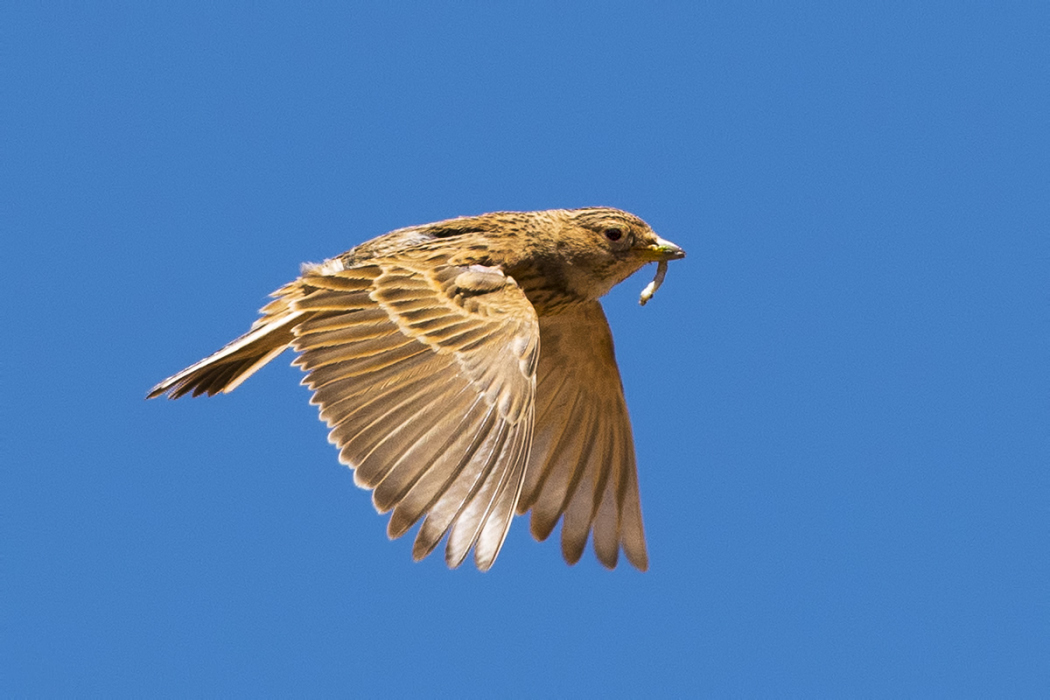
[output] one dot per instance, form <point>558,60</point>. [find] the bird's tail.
<point>224,370</point>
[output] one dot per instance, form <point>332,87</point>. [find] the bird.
<point>466,371</point>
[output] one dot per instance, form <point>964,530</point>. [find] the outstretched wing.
<point>426,374</point>
<point>582,464</point>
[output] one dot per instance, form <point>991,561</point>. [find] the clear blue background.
<point>840,398</point>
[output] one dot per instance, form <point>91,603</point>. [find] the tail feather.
<point>224,370</point>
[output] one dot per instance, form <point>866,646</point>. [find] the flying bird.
<point>466,371</point>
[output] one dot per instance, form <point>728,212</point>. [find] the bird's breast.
<point>546,287</point>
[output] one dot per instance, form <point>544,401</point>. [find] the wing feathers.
<point>436,433</point>
<point>431,481</point>
<point>454,489</point>
<point>582,467</point>
<point>433,383</point>
<point>548,433</point>
<point>467,522</point>
<point>400,427</point>
<point>497,524</point>
<point>426,395</point>
<point>580,510</point>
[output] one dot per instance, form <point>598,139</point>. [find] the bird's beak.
<point>662,250</point>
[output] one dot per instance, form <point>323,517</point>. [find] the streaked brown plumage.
<point>466,370</point>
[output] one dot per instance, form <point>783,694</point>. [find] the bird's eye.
<point>614,234</point>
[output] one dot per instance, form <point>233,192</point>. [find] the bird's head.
<point>604,246</point>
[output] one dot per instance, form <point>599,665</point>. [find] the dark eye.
<point>614,234</point>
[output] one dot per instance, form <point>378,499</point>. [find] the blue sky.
<point>840,398</point>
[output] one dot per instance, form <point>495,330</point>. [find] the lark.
<point>466,371</point>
